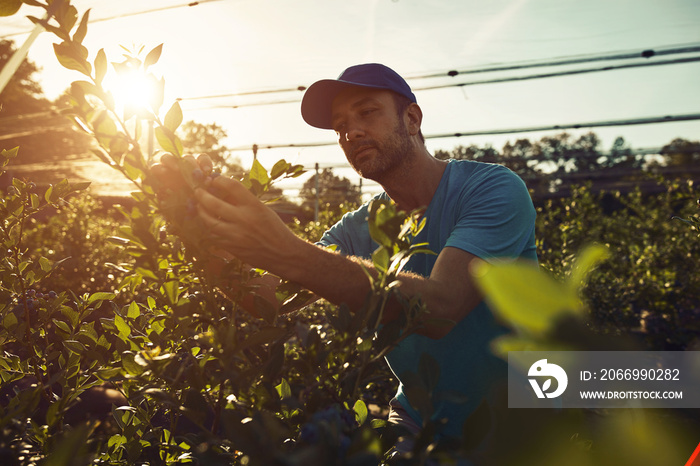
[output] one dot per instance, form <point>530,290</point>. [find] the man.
<point>473,210</point>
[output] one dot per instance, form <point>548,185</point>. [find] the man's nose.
<point>353,131</point>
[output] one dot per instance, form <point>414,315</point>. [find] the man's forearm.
<point>341,279</point>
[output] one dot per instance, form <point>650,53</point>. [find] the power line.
<point>676,61</point>
<point>560,61</point>
<point>594,124</point>
<point>562,73</point>
<point>125,15</point>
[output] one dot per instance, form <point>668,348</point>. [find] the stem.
<point>219,407</point>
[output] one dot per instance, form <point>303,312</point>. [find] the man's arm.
<point>248,229</point>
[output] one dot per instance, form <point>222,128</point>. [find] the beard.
<point>393,153</point>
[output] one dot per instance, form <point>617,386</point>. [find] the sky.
<point>228,46</point>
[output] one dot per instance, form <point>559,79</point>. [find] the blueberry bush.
<point>117,346</point>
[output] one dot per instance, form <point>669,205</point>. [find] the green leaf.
<point>70,56</point>
<point>525,296</point>
<point>75,346</point>
<point>153,56</point>
<point>279,169</point>
<point>284,390</point>
<point>380,259</point>
<point>133,312</point>
<point>10,320</point>
<point>123,328</point>
<point>71,314</point>
<point>361,411</point>
<point>259,174</point>
<point>10,153</point>
<point>82,28</point>
<point>168,141</point>
<point>9,7</point>
<point>62,325</point>
<point>130,365</point>
<point>585,261</point>
<point>100,66</point>
<point>45,264</point>
<point>173,118</point>
<point>98,297</point>
<point>170,290</point>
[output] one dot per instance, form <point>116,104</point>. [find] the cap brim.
<point>318,99</point>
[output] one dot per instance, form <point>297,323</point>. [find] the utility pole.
<point>150,140</point>
<point>317,199</point>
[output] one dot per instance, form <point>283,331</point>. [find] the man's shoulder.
<point>473,175</point>
<point>474,167</point>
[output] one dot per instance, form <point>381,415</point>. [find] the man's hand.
<point>243,226</point>
<point>173,173</point>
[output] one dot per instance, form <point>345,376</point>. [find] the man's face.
<point>374,138</point>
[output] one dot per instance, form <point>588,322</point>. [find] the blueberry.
<point>52,294</point>
<point>348,418</point>
<point>31,186</point>
<point>309,433</point>
<point>344,445</point>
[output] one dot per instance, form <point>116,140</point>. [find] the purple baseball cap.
<point>316,104</point>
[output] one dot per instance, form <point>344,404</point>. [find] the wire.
<point>562,73</point>
<point>469,83</point>
<point>125,15</point>
<point>427,88</point>
<point>594,124</point>
<point>691,48</point>
<point>561,61</point>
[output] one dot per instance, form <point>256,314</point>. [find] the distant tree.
<point>621,156</point>
<point>585,153</point>
<point>333,191</point>
<point>29,120</point>
<point>682,152</point>
<point>473,152</point>
<point>199,138</point>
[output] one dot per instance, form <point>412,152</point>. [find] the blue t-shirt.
<point>484,209</point>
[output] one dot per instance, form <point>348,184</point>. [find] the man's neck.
<point>414,185</point>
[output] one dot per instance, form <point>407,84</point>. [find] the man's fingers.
<point>205,163</point>
<point>231,190</point>
<point>214,206</point>
<point>169,160</point>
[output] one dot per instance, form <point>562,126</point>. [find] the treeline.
<point>553,164</point>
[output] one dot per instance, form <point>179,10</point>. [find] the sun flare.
<point>135,90</point>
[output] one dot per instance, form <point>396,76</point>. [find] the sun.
<point>136,90</point>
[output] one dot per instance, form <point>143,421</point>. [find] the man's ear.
<point>413,118</point>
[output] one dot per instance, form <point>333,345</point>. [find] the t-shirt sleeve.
<point>496,217</point>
